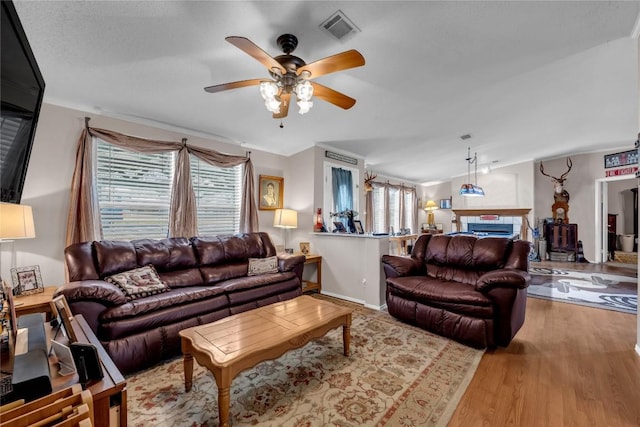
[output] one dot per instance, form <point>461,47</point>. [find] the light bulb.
<point>304,91</point>
<point>305,106</point>
<point>268,90</point>
<point>273,105</point>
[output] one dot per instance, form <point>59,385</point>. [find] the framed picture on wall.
<point>271,192</point>
<point>445,203</point>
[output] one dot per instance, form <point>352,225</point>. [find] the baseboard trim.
<point>355,300</point>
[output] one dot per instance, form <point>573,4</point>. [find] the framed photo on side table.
<point>271,192</point>
<point>358,224</point>
<point>26,280</point>
<point>61,310</point>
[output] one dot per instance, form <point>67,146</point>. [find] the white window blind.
<point>134,191</point>
<point>379,203</point>
<point>394,209</point>
<point>408,210</point>
<point>218,194</point>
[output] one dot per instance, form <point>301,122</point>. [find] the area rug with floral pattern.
<point>589,288</point>
<point>396,375</point>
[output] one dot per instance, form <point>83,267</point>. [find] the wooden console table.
<point>109,393</point>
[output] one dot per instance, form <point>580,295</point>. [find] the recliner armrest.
<point>505,278</point>
<point>396,266</point>
<point>290,262</point>
<point>92,290</point>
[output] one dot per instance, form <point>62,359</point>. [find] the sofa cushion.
<point>453,296</point>
<point>171,298</point>
<point>259,266</point>
<point>139,282</point>
<point>113,257</point>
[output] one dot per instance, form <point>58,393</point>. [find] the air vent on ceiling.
<point>467,136</point>
<point>339,26</point>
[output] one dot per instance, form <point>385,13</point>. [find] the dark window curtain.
<point>342,191</point>
<point>83,221</point>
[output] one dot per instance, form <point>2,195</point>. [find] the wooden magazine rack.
<point>69,407</point>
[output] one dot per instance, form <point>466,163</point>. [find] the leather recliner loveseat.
<point>207,279</point>
<point>469,289</point>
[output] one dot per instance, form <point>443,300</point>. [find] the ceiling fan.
<point>291,75</point>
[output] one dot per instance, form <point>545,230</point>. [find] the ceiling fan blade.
<point>336,98</point>
<point>331,64</point>
<point>284,107</point>
<point>233,85</point>
<point>252,49</point>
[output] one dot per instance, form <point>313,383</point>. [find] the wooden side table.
<point>35,303</point>
<point>317,285</point>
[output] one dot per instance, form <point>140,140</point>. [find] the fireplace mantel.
<point>524,230</point>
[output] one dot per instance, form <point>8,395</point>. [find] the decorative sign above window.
<point>621,159</point>
<point>337,156</point>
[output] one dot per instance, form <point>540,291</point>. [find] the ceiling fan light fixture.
<point>268,90</point>
<point>304,91</point>
<point>304,106</point>
<point>273,104</point>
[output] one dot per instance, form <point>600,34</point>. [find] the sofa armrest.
<point>92,290</point>
<point>396,266</point>
<point>504,278</point>
<point>290,262</point>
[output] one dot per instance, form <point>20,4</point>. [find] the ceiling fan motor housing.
<point>287,43</point>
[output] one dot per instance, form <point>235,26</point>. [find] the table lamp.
<point>16,222</point>
<point>430,206</point>
<point>285,218</point>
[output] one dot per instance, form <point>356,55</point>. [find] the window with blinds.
<point>381,204</point>
<point>218,194</point>
<point>134,191</point>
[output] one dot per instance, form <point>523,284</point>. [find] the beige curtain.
<point>83,221</point>
<point>402,191</point>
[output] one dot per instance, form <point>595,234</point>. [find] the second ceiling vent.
<point>339,26</point>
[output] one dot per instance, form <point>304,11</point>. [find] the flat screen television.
<point>21,97</point>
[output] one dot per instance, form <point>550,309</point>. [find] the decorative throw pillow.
<point>262,265</point>
<point>139,282</point>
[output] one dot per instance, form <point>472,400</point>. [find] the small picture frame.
<point>26,280</point>
<point>358,224</point>
<point>339,227</point>
<point>271,192</point>
<point>61,310</point>
<point>445,203</point>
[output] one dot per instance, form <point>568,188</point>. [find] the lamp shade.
<point>285,218</point>
<point>16,222</point>
<point>430,205</point>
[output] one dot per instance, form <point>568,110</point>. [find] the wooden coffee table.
<point>231,345</point>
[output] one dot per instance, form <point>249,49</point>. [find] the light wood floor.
<point>569,365</point>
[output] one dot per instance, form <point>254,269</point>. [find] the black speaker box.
<point>31,377</point>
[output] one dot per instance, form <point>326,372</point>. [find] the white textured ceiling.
<point>527,80</point>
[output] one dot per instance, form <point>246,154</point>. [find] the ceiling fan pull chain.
<point>281,124</point>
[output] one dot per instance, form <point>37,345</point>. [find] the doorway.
<point>616,207</point>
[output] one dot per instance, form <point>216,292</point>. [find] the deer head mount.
<point>368,181</point>
<point>560,194</point>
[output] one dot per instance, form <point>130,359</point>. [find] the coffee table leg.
<point>346,335</point>
<point>223,405</point>
<point>188,371</point>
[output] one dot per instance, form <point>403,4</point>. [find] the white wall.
<point>48,183</point>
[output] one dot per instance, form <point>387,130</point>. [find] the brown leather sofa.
<point>207,277</point>
<point>469,289</point>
